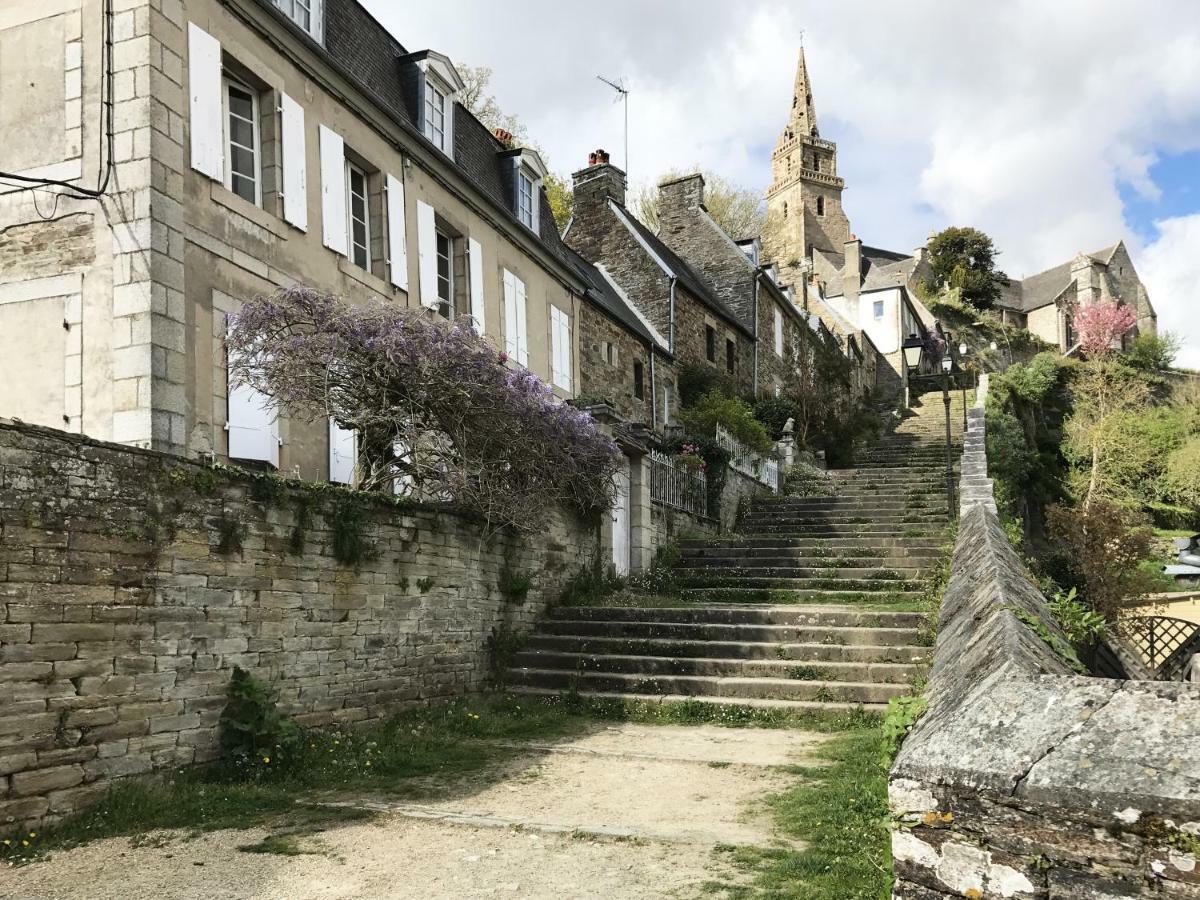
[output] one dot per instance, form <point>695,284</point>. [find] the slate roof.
<point>686,275</point>
<point>365,52</point>
<point>601,292</point>
<point>1045,287</point>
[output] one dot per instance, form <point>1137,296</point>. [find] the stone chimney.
<point>591,218</point>
<point>680,199</point>
<point>503,136</point>
<point>852,278</point>
<point>598,182</point>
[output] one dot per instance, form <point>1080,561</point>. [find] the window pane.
<point>243,162</point>
<point>445,275</point>
<point>241,131</point>
<point>244,187</point>
<point>241,103</point>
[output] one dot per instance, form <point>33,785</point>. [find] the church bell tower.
<point>804,202</point>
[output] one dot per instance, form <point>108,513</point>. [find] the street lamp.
<point>912,348</point>
<point>947,364</point>
<point>962,354</point>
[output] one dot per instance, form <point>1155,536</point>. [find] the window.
<point>242,142</point>
<point>785,209</point>
<point>778,332</point>
<point>820,206</point>
<point>305,13</point>
<point>358,215</point>
<point>666,418</point>
<point>877,309</point>
<point>639,381</point>
<point>445,274</point>
<point>609,351</point>
<point>525,199</point>
<point>435,114</point>
<point>710,343</point>
<point>730,356</point>
<point>516,329</point>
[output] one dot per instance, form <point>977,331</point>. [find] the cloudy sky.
<point>1054,126</point>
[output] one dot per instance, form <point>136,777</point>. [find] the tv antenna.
<point>623,96</point>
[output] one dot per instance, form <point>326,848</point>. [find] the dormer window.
<point>525,198</point>
<point>305,13</point>
<point>435,114</point>
<point>528,171</point>
<point>437,84</point>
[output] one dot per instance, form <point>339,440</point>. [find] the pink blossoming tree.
<point>1100,325</point>
<point>436,410</point>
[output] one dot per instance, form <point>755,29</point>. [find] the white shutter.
<point>560,348</point>
<point>204,87</point>
<point>333,190</point>
<point>511,340</point>
<point>252,422</point>
<point>295,163</point>
<point>397,233</point>
<point>522,324</point>
<point>343,453</point>
<point>475,258</point>
<point>427,253</point>
<point>778,331</point>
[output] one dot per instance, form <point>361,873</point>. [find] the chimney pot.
<point>503,136</point>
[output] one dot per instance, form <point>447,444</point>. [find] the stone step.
<point>689,571</point>
<point>862,672</point>
<point>765,614</point>
<point>814,596</point>
<point>713,631</point>
<point>896,530</point>
<point>799,707</point>
<point>724,687</point>
<point>909,544</point>
<point>751,520</point>
<point>914,654</point>
<point>801,586</point>
<point>898,501</point>
<point>920,559</point>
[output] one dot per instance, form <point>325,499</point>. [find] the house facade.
<point>252,145</point>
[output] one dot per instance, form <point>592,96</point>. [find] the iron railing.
<point>1164,643</point>
<point>672,484</point>
<point>749,462</point>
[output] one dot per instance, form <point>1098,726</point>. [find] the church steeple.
<point>804,115</point>
<point>804,201</point>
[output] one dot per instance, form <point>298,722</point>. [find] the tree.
<point>965,258</point>
<point>434,405</point>
<point>476,98</point>
<point>1100,325</point>
<point>740,211</point>
<point>1153,353</point>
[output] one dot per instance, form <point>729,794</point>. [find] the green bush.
<point>696,380</point>
<point>1153,353</point>
<point>251,725</point>
<point>735,416</point>
<point>1181,478</point>
<point>773,413</point>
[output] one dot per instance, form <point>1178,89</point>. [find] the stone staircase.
<point>810,607</point>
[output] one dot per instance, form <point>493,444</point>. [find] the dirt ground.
<point>626,811</point>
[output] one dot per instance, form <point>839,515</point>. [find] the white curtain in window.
<point>295,163</point>
<point>333,190</point>
<point>204,84</point>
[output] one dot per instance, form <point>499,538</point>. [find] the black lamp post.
<point>947,364</point>
<point>962,354</point>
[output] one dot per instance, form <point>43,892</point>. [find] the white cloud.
<point>1023,118</point>
<point>1170,269</point>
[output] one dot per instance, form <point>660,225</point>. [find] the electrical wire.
<point>106,123</point>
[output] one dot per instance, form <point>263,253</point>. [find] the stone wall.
<point>132,582</point>
<point>1024,779</point>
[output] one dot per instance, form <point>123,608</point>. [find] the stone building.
<point>689,322</point>
<point>1043,302</point>
<point>251,145</point>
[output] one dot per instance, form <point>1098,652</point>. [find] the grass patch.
<point>840,811</point>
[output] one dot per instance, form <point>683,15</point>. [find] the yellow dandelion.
<point>24,843</point>
<point>33,834</point>
<point>7,842</point>
<point>368,762</point>
<point>267,760</point>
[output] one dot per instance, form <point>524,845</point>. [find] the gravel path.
<point>624,812</point>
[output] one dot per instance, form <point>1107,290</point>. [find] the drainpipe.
<point>653,393</point>
<point>671,313</point>
<point>757,274</point>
